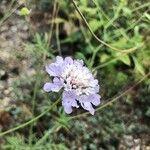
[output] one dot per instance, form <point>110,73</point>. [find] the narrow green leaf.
<point>147,16</point>
<point>95,24</point>
<point>125,59</point>
<point>138,66</point>
<point>80,55</point>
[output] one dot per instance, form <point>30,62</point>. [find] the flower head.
<point>78,83</point>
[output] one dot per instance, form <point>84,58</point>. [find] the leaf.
<point>88,11</point>
<point>24,11</point>
<point>147,16</point>
<point>122,42</point>
<point>95,24</point>
<point>138,66</point>
<point>125,59</point>
<point>84,2</point>
<point>127,11</point>
<point>80,55</point>
<point>104,58</point>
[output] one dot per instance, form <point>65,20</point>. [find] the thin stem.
<point>57,39</point>
<point>103,13</point>
<point>52,25</point>
<point>30,121</point>
<point>94,55</point>
<point>137,21</point>
<point>140,7</point>
<point>11,4</point>
<point>108,62</point>
<point>90,45</point>
<point>85,35</point>
<point>117,12</point>
<point>132,25</point>
<point>114,99</point>
<point>33,104</point>
<point>97,38</point>
<point>8,14</point>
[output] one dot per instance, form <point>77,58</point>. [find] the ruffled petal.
<point>95,99</point>
<point>54,70</point>
<point>47,87</point>
<point>66,103</point>
<point>58,84</point>
<point>55,86</point>
<point>88,106</point>
<point>68,109</point>
<point>97,89</point>
<point>59,60</point>
<point>69,101</point>
<point>78,63</point>
<point>68,60</point>
<point>86,100</point>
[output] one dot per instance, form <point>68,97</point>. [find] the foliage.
<point>122,24</point>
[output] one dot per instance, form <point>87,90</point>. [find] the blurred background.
<point>113,39</point>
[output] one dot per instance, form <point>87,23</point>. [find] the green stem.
<point>30,121</point>
<point>52,25</point>
<point>117,12</point>
<point>108,62</point>
<point>7,15</point>
<point>90,45</point>
<point>97,38</point>
<point>112,60</point>
<point>33,103</point>
<point>57,39</point>
<point>141,6</point>
<point>137,21</point>
<point>94,55</point>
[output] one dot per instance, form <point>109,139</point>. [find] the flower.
<point>78,83</point>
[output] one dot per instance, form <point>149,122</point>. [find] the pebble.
<point>2,73</point>
<point>14,29</point>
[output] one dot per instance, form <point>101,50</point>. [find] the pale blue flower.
<point>76,80</point>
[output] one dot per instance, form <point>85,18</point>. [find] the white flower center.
<point>78,79</point>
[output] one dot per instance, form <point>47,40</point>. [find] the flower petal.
<point>79,63</point>
<point>54,70</point>
<point>47,87</point>
<point>66,103</point>
<point>88,106</point>
<point>95,99</point>
<point>86,103</point>
<point>55,86</point>
<point>59,60</point>
<point>70,97</point>
<point>58,83</point>
<point>69,101</point>
<point>68,60</point>
<point>68,109</point>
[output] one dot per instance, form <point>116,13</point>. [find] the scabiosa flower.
<point>78,83</point>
